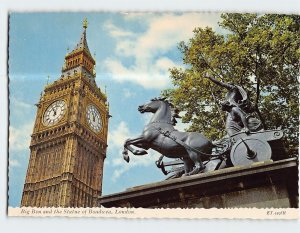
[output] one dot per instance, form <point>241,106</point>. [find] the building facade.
<point>69,140</point>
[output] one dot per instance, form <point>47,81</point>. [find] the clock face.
<point>54,113</point>
<point>94,118</point>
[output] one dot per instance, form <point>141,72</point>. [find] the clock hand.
<point>52,109</point>
<point>52,112</point>
<point>93,116</point>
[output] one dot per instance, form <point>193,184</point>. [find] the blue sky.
<point>133,54</point>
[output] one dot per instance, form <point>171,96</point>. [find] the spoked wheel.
<point>250,150</point>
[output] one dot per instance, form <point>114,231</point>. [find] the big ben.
<point>69,139</point>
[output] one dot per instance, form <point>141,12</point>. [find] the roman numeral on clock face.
<point>93,118</point>
<point>54,113</point>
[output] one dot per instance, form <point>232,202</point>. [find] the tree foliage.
<point>259,52</point>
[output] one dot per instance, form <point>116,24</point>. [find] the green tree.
<point>259,52</point>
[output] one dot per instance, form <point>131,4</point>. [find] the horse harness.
<point>168,134</point>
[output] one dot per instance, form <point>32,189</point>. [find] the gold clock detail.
<point>54,113</point>
<point>93,118</point>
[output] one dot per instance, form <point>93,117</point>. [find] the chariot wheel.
<point>250,150</point>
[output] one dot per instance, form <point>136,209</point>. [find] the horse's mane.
<point>175,111</point>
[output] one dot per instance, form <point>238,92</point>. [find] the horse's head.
<point>152,106</point>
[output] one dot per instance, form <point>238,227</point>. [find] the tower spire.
<point>85,23</point>
<point>82,45</point>
<point>80,57</point>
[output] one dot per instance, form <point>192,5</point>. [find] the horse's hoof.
<point>174,176</point>
<point>197,170</point>
<point>126,157</point>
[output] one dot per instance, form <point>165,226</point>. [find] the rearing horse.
<point>160,135</point>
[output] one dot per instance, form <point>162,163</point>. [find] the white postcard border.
<point>178,213</point>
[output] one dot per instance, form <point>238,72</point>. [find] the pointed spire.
<point>85,23</point>
<point>80,56</point>
<point>82,45</point>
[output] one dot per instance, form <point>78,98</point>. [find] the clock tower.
<point>69,140</point>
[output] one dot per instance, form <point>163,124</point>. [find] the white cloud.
<point>128,93</point>
<point>19,107</point>
<point>164,63</point>
<point>117,136</point>
<point>142,75</point>
<point>19,137</point>
<point>19,132</point>
<point>114,31</point>
<point>135,161</point>
<point>14,163</point>
<point>148,49</point>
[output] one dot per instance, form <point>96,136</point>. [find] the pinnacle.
<point>82,44</point>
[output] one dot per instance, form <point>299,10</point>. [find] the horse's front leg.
<point>138,142</point>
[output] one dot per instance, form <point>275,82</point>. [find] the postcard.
<point>153,114</point>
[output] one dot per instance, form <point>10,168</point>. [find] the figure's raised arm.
<point>226,85</point>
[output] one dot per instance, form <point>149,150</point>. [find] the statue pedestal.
<point>262,185</point>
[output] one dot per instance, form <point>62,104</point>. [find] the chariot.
<point>240,149</point>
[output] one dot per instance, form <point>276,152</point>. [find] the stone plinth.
<point>263,185</point>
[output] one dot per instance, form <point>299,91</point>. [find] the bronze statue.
<point>240,112</point>
<point>236,95</point>
<point>160,135</point>
<point>247,141</point>
<point>194,153</point>
<point>238,120</point>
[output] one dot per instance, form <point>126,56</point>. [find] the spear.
<point>217,104</point>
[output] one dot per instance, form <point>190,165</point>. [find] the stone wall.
<point>262,185</point>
